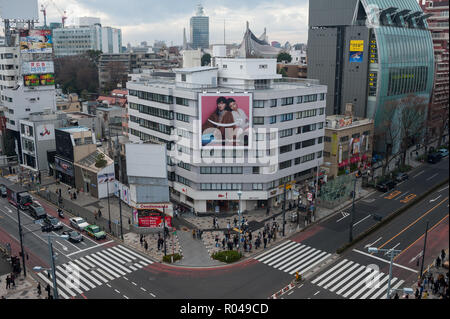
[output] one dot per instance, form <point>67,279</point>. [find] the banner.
<point>45,132</point>
<point>122,191</point>
<point>64,166</point>
<point>101,179</point>
<point>225,120</point>
<point>39,79</point>
<point>152,216</point>
<point>356,51</point>
<point>334,144</point>
<point>38,67</point>
<point>36,41</point>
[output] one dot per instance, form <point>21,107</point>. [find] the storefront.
<point>64,171</point>
<point>218,206</point>
<point>151,216</point>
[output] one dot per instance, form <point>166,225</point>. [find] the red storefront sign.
<point>152,219</point>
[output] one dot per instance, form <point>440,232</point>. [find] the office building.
<point>438,25</point>
<point>288,117</point>
<point>200,30</point>
<point>369,52</point>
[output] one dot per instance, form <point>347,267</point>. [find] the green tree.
<point>282,71</point>
<point>100,161</point>
<point>284,56</point>
<point>206,59</point>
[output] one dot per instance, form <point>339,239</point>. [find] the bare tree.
<point>412,122</point>
<point>117,73</point>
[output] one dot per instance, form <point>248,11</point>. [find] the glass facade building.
<point>199,30</point>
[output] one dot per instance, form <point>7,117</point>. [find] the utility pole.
<point>164,229</point>
<point>423,252</point>
<point>284,206</point>
<point>120,200</point>
<point>350,239</point>
<point>52,259</point>
<point>240,221</point>
<point>109,208</point>
<point>20,233</point>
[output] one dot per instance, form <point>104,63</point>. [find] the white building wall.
<point>103,187</point>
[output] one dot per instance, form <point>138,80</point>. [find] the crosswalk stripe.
<point>395,287</point>
<point>362,282</point>
<point>92,266</point>
<point>100,257</point>
<point>107,258</point>
<point>328,271</point>
<point>274,248</point>
<point>278,252</point>
<point>301,264</point>
<point>363,268</point>
<point>327,279</point>
<point>384,289</point>
<point>74,285</point>
<point>315,263</point>
<point>121,256</point>
<point>87,262</point>
<point>123,252</point>
<point>133,253</point>
<point>297,257</point>
<point>98,275</point>
<point>139,266</point>
<point>86,273</point>
<point>363,289</point>
<point>119,260</point>
<point>292,255</point>
<point>78,274</point>
<point>371,291</point>
<point>104,270</point>
<point>286,251</point>
<point>69,285</point>
<point>48,281</point>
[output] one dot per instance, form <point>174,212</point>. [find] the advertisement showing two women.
<point>226,120</point>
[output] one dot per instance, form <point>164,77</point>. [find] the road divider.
<point>389,218</point>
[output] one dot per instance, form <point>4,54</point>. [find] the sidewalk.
<point>24,289</point>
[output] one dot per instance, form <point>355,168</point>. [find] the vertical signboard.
<point>356,51</point>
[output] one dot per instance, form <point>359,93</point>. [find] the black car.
<point>400,177</point>
<point>385,186</point>
<point>56,224</point>
<point>434,157</point>
<point>46,225</point>
<point>3,191</point>
<point>74,236</point>
<point>37,211</point>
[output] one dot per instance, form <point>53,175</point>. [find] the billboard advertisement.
<point>36,41</point>
<point>226,120</point>
<point>356,51</point>
<point>19,9</point>
<point>39,79</point>
<point>151,215</point>
<point>45,132</point>
<point>104,178</point>
<point>64,166</point>
<point>38,67</point>
<point>140,155</point>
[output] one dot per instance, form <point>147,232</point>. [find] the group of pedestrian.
<point>215,223</point>
<point>10,280</point>
<point>73,194</point>
<point>197,233</point>
<point>143,242</point>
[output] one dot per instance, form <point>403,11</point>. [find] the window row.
<point>154,111</point>
<point>221,170</point>
<point>151,125</point>
<point>220,186</point>
<point>161,98</point>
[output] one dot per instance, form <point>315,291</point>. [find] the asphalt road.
<point>107,269</point>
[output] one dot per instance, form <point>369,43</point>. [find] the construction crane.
<point>44,11</point>
<point>63,14</point>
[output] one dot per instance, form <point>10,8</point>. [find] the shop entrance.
<point>220,206</point>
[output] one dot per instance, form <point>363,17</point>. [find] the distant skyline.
<point>152,20</point>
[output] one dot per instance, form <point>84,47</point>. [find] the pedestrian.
<point>217,241</point>
<point>193,233</point>
<point>396,296</point>
<point>223,243</point>
<point>438,262</point>
<point>265,242</point>
<point>145,245</point>
<point>13,279</point>
<point>141,239</point>
<point>235,222</point>
<point>425,294</point>
<point>8,282</point>
<point>443,255</point>
<point>74,196</point>
<point>267,210</point>
<point>416,294</point>
<point>269,236</point>
<point>228,226</point>
<point>99,213</point>
<point>214,222</point>
<point>69,192</point>
<point>48,290</point>
<point>39,289</point>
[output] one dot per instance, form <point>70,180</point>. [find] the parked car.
<point>74,236</point>
<point>443,152</point>
<point>37,211</point>
<point>56,224</point>
<point>78,223</point>
<point>385,186</point>
<point>95,232</point>
<point>434,157</point>
<point>3,191</point>
<point>400,177</point>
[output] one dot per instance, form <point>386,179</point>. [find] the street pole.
<point>353,213</point>
<point>120,170</point>
<point>240,222</point>
<point>21,235</point>
<point>423,252</point>
<point>392,253</point>
<point>284,206</point>
<point>52,260</point>
<point>164,229</point>
<point>109,208</point>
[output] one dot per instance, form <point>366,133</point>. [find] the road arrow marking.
<point>443,189</point>
<point>418,256</point>
<point>435,199</point>
<point>371,244</point>
<point>344,214</point>
<point>63,247</point>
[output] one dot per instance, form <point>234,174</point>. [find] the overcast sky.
<point>150,20</point>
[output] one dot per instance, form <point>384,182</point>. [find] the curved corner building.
<point>369,52</point>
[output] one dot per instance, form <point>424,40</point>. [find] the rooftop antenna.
<point>223,31</point>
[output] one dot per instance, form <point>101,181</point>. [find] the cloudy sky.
<point>150,20</point>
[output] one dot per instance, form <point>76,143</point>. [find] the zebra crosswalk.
<point>354,281</point>
<point>90,271</point>
<point>291,256</point>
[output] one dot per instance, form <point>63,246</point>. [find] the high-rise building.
<point>200,29</point>
<point>75,40</point>
<point>369,52</point>
<point>438,25</point>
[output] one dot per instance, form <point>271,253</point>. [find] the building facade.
<point>288,115</point>
<point>438,25</point>
<point>199,30</point>
<point>369,52</point>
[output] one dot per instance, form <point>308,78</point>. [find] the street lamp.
<point>240,221</point>
<point>20,230</point>
<point>52,262</point>
<point>392,253</point>
<point>353,213</point>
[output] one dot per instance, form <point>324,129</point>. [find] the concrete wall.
<point>331,12</point>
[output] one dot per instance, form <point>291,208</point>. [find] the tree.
<point>443,123</point>
<point>206,59</point>
<point>76,73</point>
<point>117,73</point>
<point>282,71</point>
<point>100,161</point>
<point>284,57</point>
<point>412,122</point>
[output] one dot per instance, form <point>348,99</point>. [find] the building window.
<point>287,101</point>
<point>285,148</point>
<point>307,158</point>
<point>273,103</point>
<point>343,139</point>
<point>255,170</point>
<point>310,98</point>
<point>319,154</point>
<point>285,164</point>
<point>224,66</point>
<point>258,103</point>
<point>320,140</point>
<point>326,154</point>
<point>258,120</point>
<point>327,139</point>
<point>186,166</point>
<point>273,119</point>
<point>356,135</point>
<point>285,133</point>
<point>321,111</point>
<point>182,101</point>
<point>320,126</point>
<point>309,128</point>
<point>299,99</point>
<point>183,77</point>
<point>286,117</point>
<point>183,117</point>
<point>322,96</point>
<point>308,143</point>
<point>298,145</point>
<point>263,66</point>
<point>257,187</point>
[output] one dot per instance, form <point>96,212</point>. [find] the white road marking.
<point>391,249</point>
<point>434,175</point>
<point>328,271</point>
<point>435,199</point>
<point>418,174</point>
<point>401,196</point>
<point>384,260</point>
<point>108,285</point>
<point>125,297</point>
<point>117,291</point>
<point>134,283</point>
<point>143,289</point>
<point>371,244</point>
<point>417,256</point>
<point>125,278</point>
<point>443,189</point>
<point>291,292</point>
<point>153,295</point>
<point>316,293</point>
<point>344,214</point>
<point>300,286</point>
<point>96,246</point>
<point>362,220</point>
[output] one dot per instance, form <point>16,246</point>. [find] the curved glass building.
<point>369,52</point>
